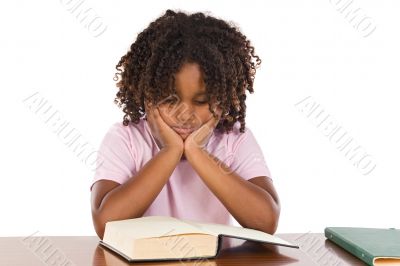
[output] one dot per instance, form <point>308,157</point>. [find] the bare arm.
<point>113,201</point>
<point>257,206</point>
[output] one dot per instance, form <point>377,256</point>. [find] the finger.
<point>213,121</point>
<point>151,117</point>
<point>204,131</point>
<point>156,113</point>
<point>157,116</point>
<point>148,107</point>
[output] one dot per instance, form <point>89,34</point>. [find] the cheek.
<point>166,115</point>
<point>198,115</point>
<point>204,115</point>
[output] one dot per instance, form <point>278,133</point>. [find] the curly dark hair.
<point>224,54</point>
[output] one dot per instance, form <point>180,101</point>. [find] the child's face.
<point>190,108</point>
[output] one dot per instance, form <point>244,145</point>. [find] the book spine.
<point>349,246</point>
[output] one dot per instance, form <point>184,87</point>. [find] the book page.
<point>152,226</point>
<point>383,261</point>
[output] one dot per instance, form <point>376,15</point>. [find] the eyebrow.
<point>201,93</point>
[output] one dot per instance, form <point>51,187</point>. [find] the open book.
<point>168,238</point>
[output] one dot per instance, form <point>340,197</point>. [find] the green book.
<point>374,246</point>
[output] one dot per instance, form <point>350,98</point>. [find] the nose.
<point>185,114</point>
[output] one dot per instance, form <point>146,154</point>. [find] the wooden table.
<point>85,250</point>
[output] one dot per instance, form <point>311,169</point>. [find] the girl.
<point>183,149</point>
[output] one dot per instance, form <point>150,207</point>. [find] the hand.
<point>199,138</point>
<point>167,137</point>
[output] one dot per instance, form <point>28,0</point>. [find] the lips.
<point>183,130</point>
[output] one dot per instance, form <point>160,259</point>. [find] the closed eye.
<point>169,101</point>
<point>172,101</point>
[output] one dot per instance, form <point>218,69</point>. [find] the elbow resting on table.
<point>99,225</point>
<point>272,223</point>
<point>269,225</point>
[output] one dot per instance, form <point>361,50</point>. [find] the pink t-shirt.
<point>126,149</point>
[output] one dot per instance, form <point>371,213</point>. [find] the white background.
<point>309,49</point>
